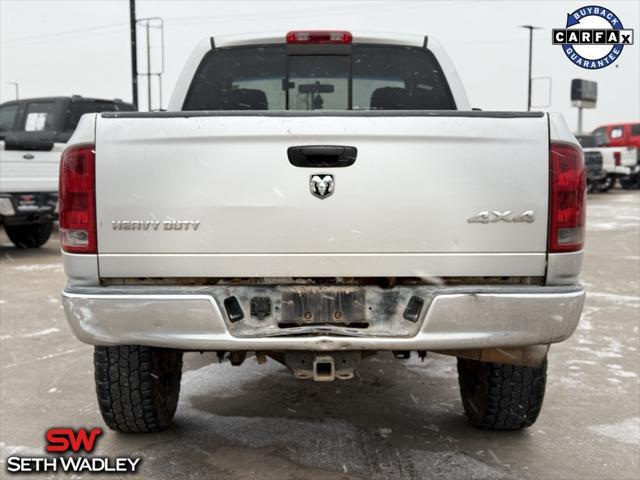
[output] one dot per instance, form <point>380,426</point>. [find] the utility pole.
<point>579,119</point>
<point>584,94</point>
<point>134,51</point>
<point>531,28</point>
<point>148,67</point>
<point>15,84</point>
<point>148,24</point>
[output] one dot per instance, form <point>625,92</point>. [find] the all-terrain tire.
<point>497,396</point>
<point>137,386</point>
<point>31,235</point>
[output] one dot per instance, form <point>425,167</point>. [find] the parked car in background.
<point>620,134</point>
<point>33,133</point>
<point>318,197</point>
<point>620,163</point>
<point>594,169</point>
<point>605,165</point>
<point>623,135</point>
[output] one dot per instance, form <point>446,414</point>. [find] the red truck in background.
<point>623,135</point>
<point>620,134</point>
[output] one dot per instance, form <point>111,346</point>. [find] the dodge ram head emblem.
<point>321,185</point>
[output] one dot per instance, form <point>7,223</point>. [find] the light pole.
<point>148,66</point>
<point>15,84</point>
<point>531,28</point>
<point>148,24</point>
<point>134,51</point>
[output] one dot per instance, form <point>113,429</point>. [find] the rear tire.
<point>632,182</point>
<point>497,396</point>
<point>32,235</point>
<point>138,387</point>
<point>607,183</point>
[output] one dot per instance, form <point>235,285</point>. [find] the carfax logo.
<point>593,37</point>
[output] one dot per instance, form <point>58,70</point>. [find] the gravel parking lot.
<point>396,419</point>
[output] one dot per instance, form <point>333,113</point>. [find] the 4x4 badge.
<point>321,185</point>
<point>495,216</point>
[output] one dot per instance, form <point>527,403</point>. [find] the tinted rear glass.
<point>587,141</point>
<point>75,110</point>
<point>41,117</point>
<point>372,77</point>
<point>616,132</point>
<point>635,129</point>
<point>8,117</point>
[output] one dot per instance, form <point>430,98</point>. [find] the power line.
<point>29,39</point>
<point>47,36</point>
<point>134,52</point>
<point>299,14</point>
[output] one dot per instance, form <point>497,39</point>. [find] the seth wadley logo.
<point>593,37</point>
<point>67,442</point>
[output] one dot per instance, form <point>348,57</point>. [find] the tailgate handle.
<point>316,156</point>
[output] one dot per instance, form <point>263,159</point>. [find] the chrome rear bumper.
<point>452,318</point>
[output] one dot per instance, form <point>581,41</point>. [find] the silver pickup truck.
<point>318,197</point>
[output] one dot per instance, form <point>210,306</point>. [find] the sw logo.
<point>64,440</point>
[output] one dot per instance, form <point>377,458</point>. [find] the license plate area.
<point>271,310</point>
<point>27,202</point>
<point>345,308</point>
<point>35,202</point>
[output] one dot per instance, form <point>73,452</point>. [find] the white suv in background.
<point>33,134</point>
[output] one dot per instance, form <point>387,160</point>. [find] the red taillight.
<point>78,200</point>
<point>319,36</point>
<point>618,158</point>
<point>566,198</point>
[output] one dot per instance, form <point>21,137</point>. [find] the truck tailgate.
<point>29,171</point>
<point>402,208</point>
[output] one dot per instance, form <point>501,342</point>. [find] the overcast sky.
<point>82,46</point>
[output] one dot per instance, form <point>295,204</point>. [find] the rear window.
<point>616,132</point>
<point>635,129</point>
<point>8,117</point>
<point>54,118</point>
<point>601,136</point>
<point>372,77</point>
<point>75,110</point>
<point>587,141</point>
<point>41,117</point>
